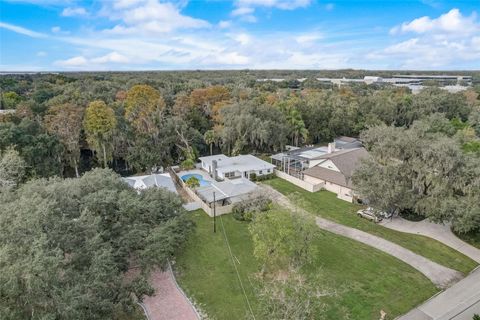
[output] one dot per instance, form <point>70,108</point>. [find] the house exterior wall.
<point>221,175</point>
<point>205,166</point>
<point>342,192</point>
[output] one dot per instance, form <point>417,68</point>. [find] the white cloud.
<point>308,38</point>
<point>242,38</point>
<point>94,63</point>
<point>73,12</point>
<point>41,54</point>
<point>74,62</point>
<point>22,30</point>
<point>58,30</point>
<point>447,40</point>
<point>148,17</point>
<point>242,11</point>
<point>450,22</point>
<point>114,57</point>
<point>279,4</point>
<point>224,24</point>
<point>246,8</point>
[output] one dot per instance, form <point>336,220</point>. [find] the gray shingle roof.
<point>328,175</point>
<point>346,160</point>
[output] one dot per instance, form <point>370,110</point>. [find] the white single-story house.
<point>162,180</point>
<point>220,166</point>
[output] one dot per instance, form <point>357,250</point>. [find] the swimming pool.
<point>203,182</point>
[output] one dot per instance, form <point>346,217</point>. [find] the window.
<point>229,174</point>
<point>268,170</point>
<point>260,172</point>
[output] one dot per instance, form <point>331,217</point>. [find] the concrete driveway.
<point>439,232</point>
<point>441,276</point>
<point>459,302</point>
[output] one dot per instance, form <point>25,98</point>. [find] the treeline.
<point>66,124</point>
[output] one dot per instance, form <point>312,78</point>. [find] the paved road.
<point>436,231</point>
<point>441,276</point>
<point>168,302</point>
<point>459,302</point>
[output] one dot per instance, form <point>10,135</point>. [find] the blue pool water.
<point>198,176</point>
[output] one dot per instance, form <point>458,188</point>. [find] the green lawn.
<point>367,280</point>
<point>326,204</point>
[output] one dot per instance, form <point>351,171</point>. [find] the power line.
<point>236,269</point>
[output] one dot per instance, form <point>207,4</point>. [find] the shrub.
<point>187,164</point>
<point>253,176</point>
<point>245,210</point>
<point>265,177</point>
<point>411,215</point>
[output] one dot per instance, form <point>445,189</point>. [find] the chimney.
<point>331,147</point>
<point>214,170</point>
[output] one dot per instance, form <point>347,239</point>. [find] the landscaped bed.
<point>472,237</point>
<point>366,280</point>
<point>326,205</point>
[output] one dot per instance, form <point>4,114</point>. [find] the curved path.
<point>441,276</point>
<point>439,232</point>
<point>168,302</point>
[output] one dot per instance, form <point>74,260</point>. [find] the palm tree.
<point>297,126</point>
<point>210,138</point>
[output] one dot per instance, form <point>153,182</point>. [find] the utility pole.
<point>214,214</point>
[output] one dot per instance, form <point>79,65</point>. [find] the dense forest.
<point>66,124</point>
<point>425,160</point>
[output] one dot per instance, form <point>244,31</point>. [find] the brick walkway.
<point>168,302</point>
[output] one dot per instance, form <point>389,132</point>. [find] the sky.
<point>73,35</point>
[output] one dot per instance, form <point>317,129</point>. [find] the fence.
<point>298,182</point>
<point>219,210</point>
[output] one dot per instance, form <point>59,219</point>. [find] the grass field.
<point>326,205</point>
<point>368,280</point>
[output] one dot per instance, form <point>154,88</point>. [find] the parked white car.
<point>373,215</point>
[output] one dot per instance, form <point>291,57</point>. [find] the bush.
<point>265,177</point>
<point>253,176</point>
<point>411,215</point>
<point>245,210</point>
<point>187,164</point>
